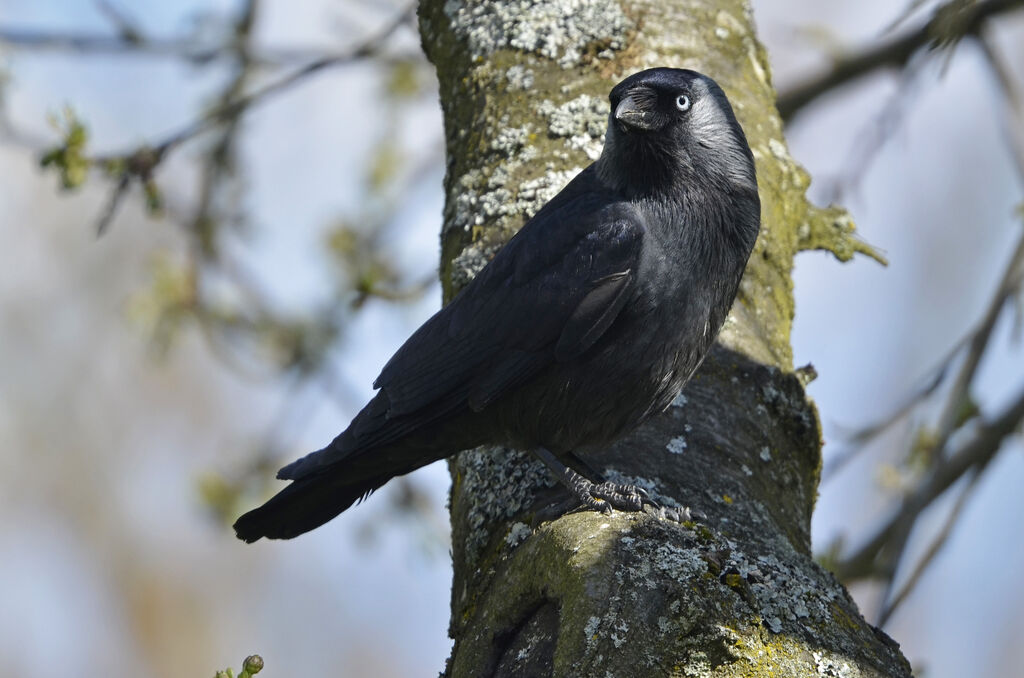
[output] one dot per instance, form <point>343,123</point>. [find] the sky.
<point>108,564</point>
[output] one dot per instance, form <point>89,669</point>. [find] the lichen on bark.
<point>524,90</point>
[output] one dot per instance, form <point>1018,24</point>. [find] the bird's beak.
<point>630,112</point>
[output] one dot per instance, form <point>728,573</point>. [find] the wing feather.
<point>594,315</point>
<point>525,310</point>
<point>548,295</point>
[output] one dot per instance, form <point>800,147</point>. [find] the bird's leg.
<point>580,465</point>
<point>600,497</point>
<point>604,496</point>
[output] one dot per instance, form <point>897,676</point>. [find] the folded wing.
<point>547,296</point>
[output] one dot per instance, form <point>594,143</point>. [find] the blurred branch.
<point>976,342</point>
<point>857,439</point>
<point>1009,285</point>
<point>945,471</point>
<point>882,555</point>
<point>236,106</point>
<point>889,601</point>
<point>891,537</point>
<point>873,137</point>
<point>219,163</point>
<point>139,165</point>
<point>1013,123</point>
<point>130,39</point>
<point>950,23</point>
<point>190,50</point>
<point>904,15</point>
<point>207,286</point>
<point>127,28</point>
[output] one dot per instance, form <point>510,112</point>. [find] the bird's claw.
<point>603,497</point>
<point>622,497</point>
<point>675,514</point>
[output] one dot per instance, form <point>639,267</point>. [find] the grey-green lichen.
<point>495,503</point>
<point>563,31</point>
<point>486,199</point>
<point>639,597</point>
<point>676,445</point>
<point>581,120</point>
<point>519,78</point>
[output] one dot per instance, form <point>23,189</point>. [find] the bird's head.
<point>669,125</point>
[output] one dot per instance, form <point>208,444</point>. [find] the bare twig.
<point>143,161</point>
<point>892,538</point>
<point>857,439</point>
<point>905,14</point>
<point>237,106</point>
<point>891,53</point>
<point>979,451</point>
<point>184,49</point>
<point>127,28</point>
<point>960,391</point>
<point>219,162</point>
<point>873,137</point>
<point>889,601</point>
<point>116,196</point>
<point>882,555</point>
<point>976,342</point>
<point>1013,122</point>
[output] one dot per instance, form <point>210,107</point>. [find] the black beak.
<point>631,113</point>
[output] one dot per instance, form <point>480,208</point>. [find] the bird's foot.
<point>633,498</point>
<point>605,496</point>
<point>622,497</point>
<point>602,497</point>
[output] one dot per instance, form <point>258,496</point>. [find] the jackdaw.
<point>588,322</point>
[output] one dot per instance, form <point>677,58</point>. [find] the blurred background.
<point>258,264</point>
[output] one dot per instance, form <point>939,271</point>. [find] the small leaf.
<point>966,410</point>
<point>154,198</point>
<point>384,165</point>
<point>404,80</point>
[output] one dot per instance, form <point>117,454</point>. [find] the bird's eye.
<point>683,102</point>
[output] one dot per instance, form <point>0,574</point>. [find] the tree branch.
<point>140,164</point>
<point>985,444</point>
<point>889,601</point>
<point>237,106</point>
<point>183,49</point>
<point>894,52</point>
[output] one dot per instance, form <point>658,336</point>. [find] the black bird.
<point>588,322</point>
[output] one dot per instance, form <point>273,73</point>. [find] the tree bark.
<point>524,90</point>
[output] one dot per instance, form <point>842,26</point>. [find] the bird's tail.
<point>373,450</point>
<point>320,491</point>
<point>305,504</point>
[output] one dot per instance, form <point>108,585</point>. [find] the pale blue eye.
<point>683,102</point>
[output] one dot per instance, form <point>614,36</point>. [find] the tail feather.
<point>328,481</point>
<point>302,506</point>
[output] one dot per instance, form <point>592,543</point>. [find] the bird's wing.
<point>548,295</point>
